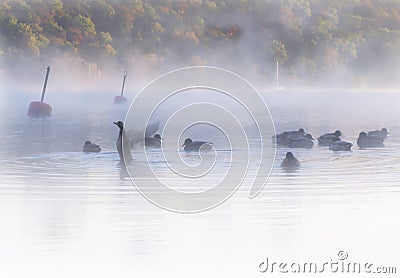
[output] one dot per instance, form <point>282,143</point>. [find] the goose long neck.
<point>122,137</point>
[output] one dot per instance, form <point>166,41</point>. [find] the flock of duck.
<point>301,139</point>
<point>124,145</point>
<point>292,139</point>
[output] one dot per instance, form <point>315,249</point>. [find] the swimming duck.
<point>328,138</point>
<point>340,146</point>
<point>304,142</point>
<point>135,136</point>
<point>369,141</point>
<point>299,132</point>
<point>154,141</point>
<point>89,147</point>
<point>280,139</point>
<point>381,133</point>
<point>190,145</point>
<point>122,144</point>
<point>284,137</point>
<point>290,161</point>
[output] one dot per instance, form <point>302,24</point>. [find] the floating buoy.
<point>40,109</point>
<point>121,98</point>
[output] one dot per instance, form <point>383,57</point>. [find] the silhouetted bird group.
<point>301,139</point>
<point>123,144</point>
<point>292,139</point>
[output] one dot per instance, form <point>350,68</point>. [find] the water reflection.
<point>123,172</point>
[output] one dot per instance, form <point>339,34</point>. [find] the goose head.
<point>119,124</point>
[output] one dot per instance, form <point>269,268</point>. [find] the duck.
<point>122,144</point>
<point>284,137</point>
<point>280,139</point>
<point>369,141</point>
<point>190,145</point>
<point>340,146</point>
<point>381,133</point>
<point>328,138</point>
<point>299,132</point>
<point>290,161</point>
<point>304,142</point>
<point>139,136</point>
<point>154,141</point>
<point>90,147</point>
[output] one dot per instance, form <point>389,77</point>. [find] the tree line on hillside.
<point>355,40</point>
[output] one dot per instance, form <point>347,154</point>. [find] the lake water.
<point>64,213</point>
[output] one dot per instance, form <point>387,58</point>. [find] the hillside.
<point>351,42</point>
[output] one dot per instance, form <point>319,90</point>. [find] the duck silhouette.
<point>290,162</point>
<point>122,144</point>
<point>154,141</point>
<point>190,145</point>
<point>280,139</point>
<point>299,132</point>
<point>136,137</point>
<point>328,138</point>
<point>380,133</point>
<point>369,141</point>
<point>340,146</point>
<point>284,138</point>
<point>90,147</point>
<point>304,142</point>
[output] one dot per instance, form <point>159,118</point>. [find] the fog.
<point>238,38</point>
<point>344,58</point>
<point>339,67</point>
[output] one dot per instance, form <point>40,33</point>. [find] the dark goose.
<point>123,144</point>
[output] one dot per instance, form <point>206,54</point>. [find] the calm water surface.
<point>69,214</point>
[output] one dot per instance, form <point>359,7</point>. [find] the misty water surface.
<point>64,213</point>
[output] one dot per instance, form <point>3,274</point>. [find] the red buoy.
<point>40,109</point>
<point>121,98</point>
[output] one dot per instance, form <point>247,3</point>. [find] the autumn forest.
<point>351,42</point>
